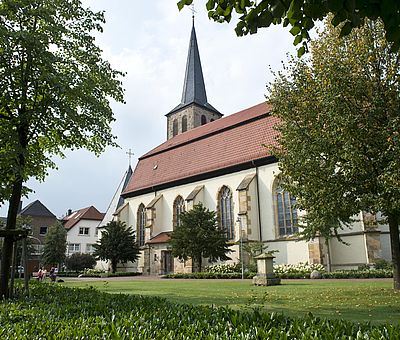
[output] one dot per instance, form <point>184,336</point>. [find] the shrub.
<point>79,262</point>
<point>302,269</point>
<point>224,268</point>
<point>56,312</point>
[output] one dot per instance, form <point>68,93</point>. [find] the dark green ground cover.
<point>56,312</point>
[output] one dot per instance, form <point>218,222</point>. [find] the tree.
<point>55,92</point>
<point>78,262</point>
<point>198,236</point>
<point>55,245</point>
<point>301,15</point>
<point>117,244</point>
<point>339,144</point>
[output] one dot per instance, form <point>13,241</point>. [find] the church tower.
<point>193,110</point>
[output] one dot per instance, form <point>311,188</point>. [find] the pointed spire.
<point>194,90</point>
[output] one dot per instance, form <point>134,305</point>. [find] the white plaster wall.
<point>74,237</point>
<point>289,252</point>
<point>351,255</point>
<point>267,176</point>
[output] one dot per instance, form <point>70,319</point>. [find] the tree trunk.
<point>114,266</point>
<point>8,240</point>
<point>395,245</point>
<point>199,261</point>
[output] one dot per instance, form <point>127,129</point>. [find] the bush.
<point>57,312</point>
<point>79,262</point>
<point>224,268</point>
<point>301,269</point>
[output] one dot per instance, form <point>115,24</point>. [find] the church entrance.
<point>167,262</point>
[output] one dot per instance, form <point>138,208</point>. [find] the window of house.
<point>179,208</point>
<point>184,123</point>
<point>89,248</point>
<point>74,247</point>
<point>203,120</point>
<point>43,231</point>
<point>174,128</point>
<point>286,212</point>
<point>141,224</point>
<point>83,231</point>
<point>226,212</point>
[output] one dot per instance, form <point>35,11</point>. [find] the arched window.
<point>174,128</point>
<point>286,212</point>
<point>184,123</point>
<point>141,224</point>
<point>203,120</point>
<point>179,208</point>
<point>226,212</point>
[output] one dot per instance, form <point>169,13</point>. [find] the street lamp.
<point>239,220</point>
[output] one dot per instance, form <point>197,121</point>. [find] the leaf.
<point>301,51</point>
<point>295,30</point>
<point>346,29</point>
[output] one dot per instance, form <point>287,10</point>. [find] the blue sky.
<point>149,40</point>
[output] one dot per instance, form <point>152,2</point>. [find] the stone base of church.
<point>266,280</point>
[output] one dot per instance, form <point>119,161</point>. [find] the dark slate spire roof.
<point>194,90</point>
<point>128,176</point>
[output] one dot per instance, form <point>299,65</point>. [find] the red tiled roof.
<point>163,237</point>
<point>89,213</point>
<point>226,142</point>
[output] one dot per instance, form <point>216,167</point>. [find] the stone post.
<point>265,271</point>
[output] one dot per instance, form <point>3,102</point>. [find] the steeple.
<point>194,92</point>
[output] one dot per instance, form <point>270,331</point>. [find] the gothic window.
<point>184,123</point>
<point>141,224</point>
<point>226,212</point>
<point>203,120</point>
<point>174,127</point>
<point>286,212</point>
<point>179,208</point>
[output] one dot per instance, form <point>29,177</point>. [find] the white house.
<point>82,229</point>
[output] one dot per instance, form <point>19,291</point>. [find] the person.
<point>40,274</point>
<point>52,274</point>
<point>44,271</point>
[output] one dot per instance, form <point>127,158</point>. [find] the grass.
<point>355,300</point>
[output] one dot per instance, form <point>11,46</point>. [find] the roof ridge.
<point>246,120</point>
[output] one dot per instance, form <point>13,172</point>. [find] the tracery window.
<point>141,225</point>
<point>226,212</point>
<point>184,123</point>
<point>179,208</point>
<point>174,127</point>
<point>286,212</point>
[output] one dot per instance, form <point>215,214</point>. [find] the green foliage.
<point>199,236</point>
<point>339,147</point>
<point>54,86</point>
<point>55,245</point>
<point>57,312</point>
<point>117,244</point>
<point>55,92</point>
<point>302,15</point>
<point>78,262</point>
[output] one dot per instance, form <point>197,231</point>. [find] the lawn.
<point>356,300</point>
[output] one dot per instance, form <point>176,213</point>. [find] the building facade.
<point>224,164</point>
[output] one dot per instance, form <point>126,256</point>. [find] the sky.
<point>149,41</point>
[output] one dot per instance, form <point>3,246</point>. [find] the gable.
<point>36,208</point>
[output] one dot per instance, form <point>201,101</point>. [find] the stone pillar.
<point>265,271</point>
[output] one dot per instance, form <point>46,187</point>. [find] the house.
<point>40,220</point>
<point>223,163</point>
<point>82,229</point>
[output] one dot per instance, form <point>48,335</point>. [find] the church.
<point>223,163</point>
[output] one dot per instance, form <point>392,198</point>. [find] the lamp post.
<point>239,220</point>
